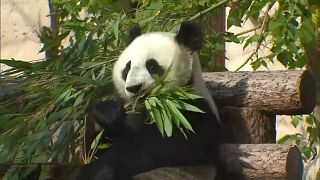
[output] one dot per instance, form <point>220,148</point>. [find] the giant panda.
<point>138,146</point>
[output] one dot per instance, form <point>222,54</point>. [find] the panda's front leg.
<point>107,167</point>
<point>109,114</point>
<point>120,162</point>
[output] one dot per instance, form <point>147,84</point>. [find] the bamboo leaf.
<point>156,89</point>
<point>17,64</point>
<point>88,65</point>
<point>283,139</point>
<point>167,109</point>
<point>157,118</point>
<point>295,121</point>
<point>88,80</point>
<point>54,42</point>
<point>147,104</point>
<point>59,115</point>
<point>167,121</point>
<point>79,99</point>
<point>62,98</point>
<point>177,114</point>
<point>183,92</point>
<point>186,106</point>
<point>152,101</point>
<point>104,146</point>
<point>96,141</point>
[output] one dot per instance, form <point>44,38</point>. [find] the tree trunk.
<point>278,92</point>
<point>215,24</point>
<point>54,31</point>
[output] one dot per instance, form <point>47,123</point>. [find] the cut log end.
<point>307,92</point>
<point>294,165</point>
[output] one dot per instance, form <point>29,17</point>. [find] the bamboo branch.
<point>263,28</point>
<point>217,5</point>
<point>247,31</point>
<point>54,28</point>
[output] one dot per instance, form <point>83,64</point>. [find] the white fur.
<point>159,46</point>
<point>162,47</point>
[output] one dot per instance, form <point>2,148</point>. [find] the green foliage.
<point>285,29</point>
<point>41,117</point>
<point>43,113</point>
<point>164,105</point>
<point>307,145</point>
<point>299,30</point>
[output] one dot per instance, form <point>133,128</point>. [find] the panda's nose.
<point>134,89</point>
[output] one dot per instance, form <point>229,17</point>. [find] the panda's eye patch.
<point>154,68</point>
<point>125,71</point>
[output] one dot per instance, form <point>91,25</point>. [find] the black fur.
<point>154,68</point>
<point>190,35</point>
<point>134,89</point>
<point>125,71</point>
<point>140,147</point>
<point>132,33</point>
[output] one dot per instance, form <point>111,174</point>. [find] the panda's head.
<point>151,54</point>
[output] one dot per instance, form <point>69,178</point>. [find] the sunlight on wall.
<point>20,21</point>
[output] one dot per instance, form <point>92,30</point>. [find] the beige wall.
<point>236,55</point>
<point>20,20</point>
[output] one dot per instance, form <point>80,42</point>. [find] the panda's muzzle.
<point>134,89</point>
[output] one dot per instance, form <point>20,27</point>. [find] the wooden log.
<point>280,92</point>
<point>198,172</point>
<point>242,161</point>
<point>248,125</point>
<point>263,161</point>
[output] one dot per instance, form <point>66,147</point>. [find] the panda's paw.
<point>108,114</point>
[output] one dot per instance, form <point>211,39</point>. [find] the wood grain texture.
<point>281,92</point>
<point>263,161</point>
<point>242,161</point>
<point>248,125</point>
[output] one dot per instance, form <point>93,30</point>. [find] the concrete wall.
<point>20,20</point>
<point>235,53</point>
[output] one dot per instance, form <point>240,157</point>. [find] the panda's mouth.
<point>135,89</point>
<point>135,104</point>
<point>131,96</point>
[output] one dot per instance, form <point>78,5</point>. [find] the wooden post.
<point>214,24</point>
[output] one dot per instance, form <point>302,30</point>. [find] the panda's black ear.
<point>132,33</point>
<point>190,35</point>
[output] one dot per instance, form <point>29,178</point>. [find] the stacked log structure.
<point>248,103</point>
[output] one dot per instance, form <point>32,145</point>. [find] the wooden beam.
<point>242,161</point>
<point>263,161</point>
<point>279,92</point>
